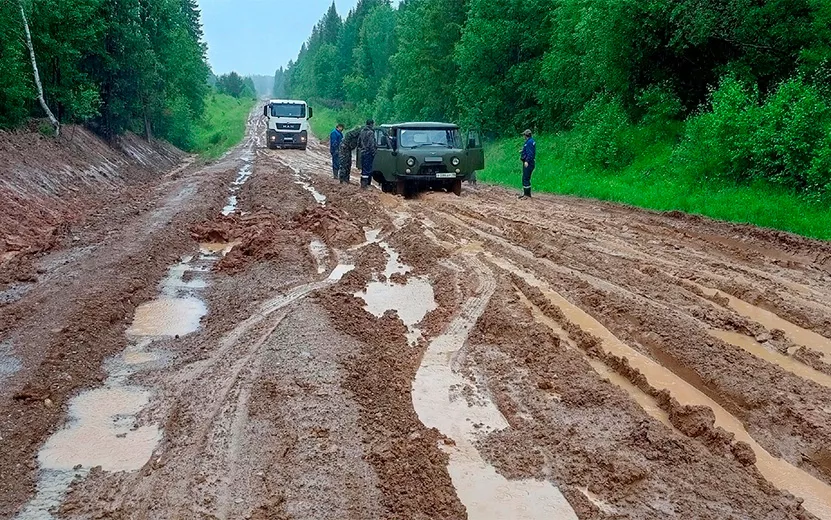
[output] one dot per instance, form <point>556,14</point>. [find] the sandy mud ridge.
<point>285,346</point>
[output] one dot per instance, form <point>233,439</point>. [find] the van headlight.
<point>455,161</point>
<point>411,161</point>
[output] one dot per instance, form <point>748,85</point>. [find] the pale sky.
<point>259,36</point>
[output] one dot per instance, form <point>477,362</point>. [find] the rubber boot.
<point>526,194</point>
<point>364,182</point>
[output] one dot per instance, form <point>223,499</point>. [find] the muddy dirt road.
<point>263,342</point>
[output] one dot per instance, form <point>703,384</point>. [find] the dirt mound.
<point>334,226</point>
<point>257,237</point>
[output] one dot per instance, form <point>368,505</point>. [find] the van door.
<point>384,162</point>
<point>475,152</point>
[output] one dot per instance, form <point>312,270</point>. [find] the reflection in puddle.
<point>320,253</point>
<point>757,349</point>
<point>242,176</point>
<point>340,271</point>
<point>771,321</point>
<point>411,300</point>
<point>484,492</point>
<point>102,432</point>
<point>319,197</point>
<point>167,317</point>
<point>817,494</point>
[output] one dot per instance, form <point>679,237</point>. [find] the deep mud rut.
<point>267,343</point>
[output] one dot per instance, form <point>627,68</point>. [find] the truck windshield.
<point>288,110</point>
<point>416,138</point>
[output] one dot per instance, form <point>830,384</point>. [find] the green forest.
<point>719,107</point>
<point>116,66</point>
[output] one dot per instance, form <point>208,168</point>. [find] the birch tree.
<point>55,123</point>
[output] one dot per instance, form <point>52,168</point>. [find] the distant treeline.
<point>114,65</point>
<point>235,85</point>
<point>742,88</point>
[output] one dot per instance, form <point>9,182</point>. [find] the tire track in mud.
<point>692,316</point>
<point>817,494</point>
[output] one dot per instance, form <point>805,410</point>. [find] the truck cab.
<point>288,123</point>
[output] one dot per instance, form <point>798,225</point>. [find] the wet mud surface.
<point>264,342</point>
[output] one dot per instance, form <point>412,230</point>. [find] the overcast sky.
<point>258,36</point>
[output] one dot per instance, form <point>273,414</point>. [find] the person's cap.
<point>370,122</point>
<point>527,133</point>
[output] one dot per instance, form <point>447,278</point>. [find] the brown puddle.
<point>783,475</point>
<point>771,321</point>
<point>217,248</point>
<point>752,346</point>
<point>167,317</point>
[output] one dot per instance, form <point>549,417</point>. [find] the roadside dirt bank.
<point>50,187</point>
<point>324,352</point>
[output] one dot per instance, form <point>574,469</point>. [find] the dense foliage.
<point>740,88</point>
<point>115,65</point>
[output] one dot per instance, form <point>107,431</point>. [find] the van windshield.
<point>416,138</point>
<point>288,110</point>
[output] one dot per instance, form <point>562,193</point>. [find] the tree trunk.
<point>49,114</point>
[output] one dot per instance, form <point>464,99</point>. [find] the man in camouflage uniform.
<point>368,146</point>
<point>349,143</point>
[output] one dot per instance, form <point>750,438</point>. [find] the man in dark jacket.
<point>529,162</point>
<point>368,147</point>
<point>335,139</point>
<point>349,143</point>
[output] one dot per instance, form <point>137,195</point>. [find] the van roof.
<point>423,126</point>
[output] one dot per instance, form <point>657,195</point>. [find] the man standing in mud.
<point>349,143</point>
<point>528,156</point>
<point>368,147</point>
<point>335,139</point>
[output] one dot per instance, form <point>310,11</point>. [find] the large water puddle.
<point>412,300</point>
<point>771,321</point>
<point>788,363</point>
<point>817,494</point>
<point>178,310</point>
<point>485,493</point>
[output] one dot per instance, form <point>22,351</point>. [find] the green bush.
<point>600,134</point>
<point>783,139</point>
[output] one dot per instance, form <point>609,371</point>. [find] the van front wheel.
<point>456,187</point>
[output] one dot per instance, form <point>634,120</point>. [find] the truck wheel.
<point>457,187</point>
<point>387,187</point>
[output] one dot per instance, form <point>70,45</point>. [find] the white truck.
<point>288,123</point>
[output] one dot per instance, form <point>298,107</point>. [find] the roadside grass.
<point>652,181</point>
<point>223,125</point>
